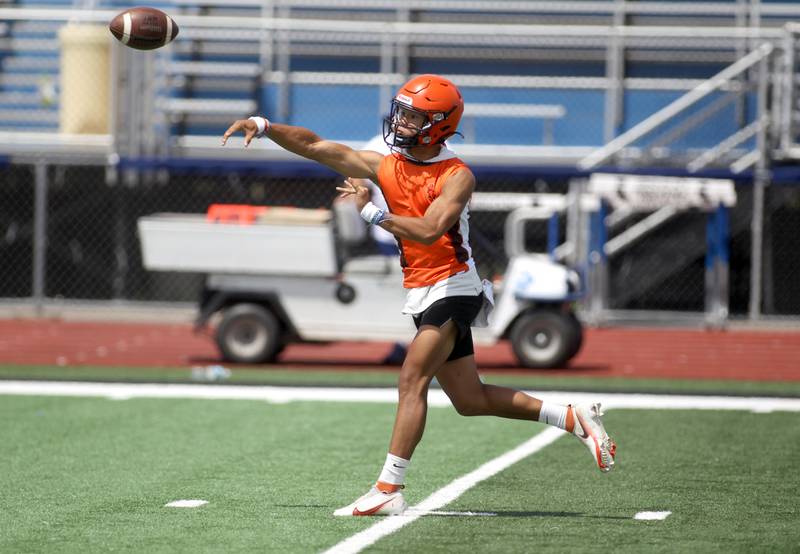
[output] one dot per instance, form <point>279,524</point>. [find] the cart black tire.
<point>248,334</point>
<point>577,341</point>
<point>543,339</point>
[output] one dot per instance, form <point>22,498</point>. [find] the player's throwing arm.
<point>303,142</point>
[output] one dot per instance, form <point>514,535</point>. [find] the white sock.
<point>394,470</point>
<point>553,414</point>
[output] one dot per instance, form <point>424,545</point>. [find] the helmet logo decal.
<point>404,99</point>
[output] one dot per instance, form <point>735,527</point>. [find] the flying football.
<point>143,28</point>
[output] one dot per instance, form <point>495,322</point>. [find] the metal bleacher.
<point>29,78</point>
<point>578,74</point>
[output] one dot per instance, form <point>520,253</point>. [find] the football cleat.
<point>591,432</point>
<point>375,503</point>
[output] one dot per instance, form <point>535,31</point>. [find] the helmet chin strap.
<point>405,149</point>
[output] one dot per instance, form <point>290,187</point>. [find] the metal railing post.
<point>717,267</point>
<point>39,235</point>
<point>711,292</point>
<point>615,75</point>
<point>598,265</point>
<point>284,69</point>
<point>386,89</point>
<point>787,106</point>
<point>760,181</point>
<point>723,264</point>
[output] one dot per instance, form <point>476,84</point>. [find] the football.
<point>143,28</point>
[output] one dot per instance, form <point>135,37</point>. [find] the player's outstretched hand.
<point>247,126</point>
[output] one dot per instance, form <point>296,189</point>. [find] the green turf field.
<point>93,475</point>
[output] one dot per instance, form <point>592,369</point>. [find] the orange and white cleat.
<point>589,429</point>
<point>375,503</point>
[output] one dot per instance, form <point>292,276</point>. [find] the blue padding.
<point>515,68</point>
<point>352,112</point>
<point>244,57</point>
<point>662,70</point>
<point>337,112</point>
<point>268,103</point>
<point>338,65</point>
<point>641,104</point>
<point>226,167</point>
<point>552,235</point>
<point>582,125</point>
<point>598,234</point>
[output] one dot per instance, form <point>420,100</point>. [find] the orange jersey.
<point>409,188</point>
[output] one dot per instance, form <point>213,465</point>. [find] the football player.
<point>427,191</point>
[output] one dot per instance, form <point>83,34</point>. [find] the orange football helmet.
<point>435,98</point>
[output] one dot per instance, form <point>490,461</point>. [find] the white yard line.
<point>186,503</point>
<point>445,495</point>
<point>436,397</point>
<point>652,516</point>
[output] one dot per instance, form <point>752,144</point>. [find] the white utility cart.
<point>279,280</point>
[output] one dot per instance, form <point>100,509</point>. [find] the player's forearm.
<point>417,229</point>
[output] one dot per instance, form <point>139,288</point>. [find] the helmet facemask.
<point>420,138</point>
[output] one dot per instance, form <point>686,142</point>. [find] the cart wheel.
<point>248,333</point>
<point>577,341</point>
<point>543,338</point>
<point>345,293</point>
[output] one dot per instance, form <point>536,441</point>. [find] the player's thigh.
<point>430,349</point>
<point>459,379</point>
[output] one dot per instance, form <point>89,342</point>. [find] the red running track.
<point>617,352</point>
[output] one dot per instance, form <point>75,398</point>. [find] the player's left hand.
<point>358,192</point>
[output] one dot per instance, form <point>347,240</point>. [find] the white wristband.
<point>262,123</point>
<point>372,214</point>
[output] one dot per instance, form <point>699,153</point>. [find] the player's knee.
<point>472,405</point>
<point>412,382</point>
<point>468,409</point>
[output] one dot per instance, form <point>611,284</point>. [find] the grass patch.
<point>728,478</point>
<point>91,475</point>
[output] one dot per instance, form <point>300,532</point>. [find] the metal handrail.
<point>524,6</point>
<point>668,112</point>
<point>726,145</point>
<point>406,30</point>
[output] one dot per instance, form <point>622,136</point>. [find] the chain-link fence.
<point>92,250</point>
<point>666,268</point>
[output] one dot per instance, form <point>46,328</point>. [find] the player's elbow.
<point>430,236</point>
<point>431,230</point>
